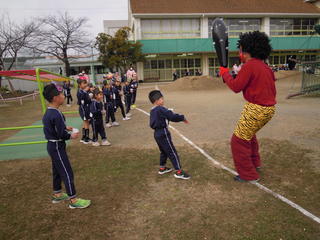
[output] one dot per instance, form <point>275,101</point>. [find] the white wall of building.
<point>265,25</point>
<point>204,27</point>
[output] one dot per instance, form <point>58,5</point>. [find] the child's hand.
<point>186,121</point>
<point>69,128</point>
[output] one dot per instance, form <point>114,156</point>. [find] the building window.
<point>292,26</point>
<point>170,28</point>
<point>238,25</point>
<point>162,69</point>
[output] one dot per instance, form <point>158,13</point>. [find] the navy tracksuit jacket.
<point>54,128</point>
<point>159,118</point>
<point>83,102</point>
<point>116,90</point>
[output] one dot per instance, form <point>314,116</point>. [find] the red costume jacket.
<point>257,82</point>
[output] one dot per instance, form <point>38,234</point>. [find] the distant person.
<point>159,118</point>
<point>67,93</point>
<point>292,63</point>
<point>56,132</point>
<point>130,74</point>
<point>187,73</point>
<point>175,75</point>
<point>198,72</point>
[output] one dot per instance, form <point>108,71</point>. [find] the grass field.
<point>131,201</point>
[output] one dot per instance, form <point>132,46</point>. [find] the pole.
<point>22,127</point>
<point>21,143</point>
<point>92,68</point>
<point>40,86</point>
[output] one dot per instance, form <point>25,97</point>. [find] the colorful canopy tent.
<point>38,75</point>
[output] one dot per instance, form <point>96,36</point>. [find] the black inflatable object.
<point>220,41</point>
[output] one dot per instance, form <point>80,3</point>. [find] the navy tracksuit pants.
<point>134,95</point>
<point>61,168</point>
<point>98,129</point>
<point>128,100</point>
<point>120,104</point>
<point>167,149</point>
<point>109,107</point>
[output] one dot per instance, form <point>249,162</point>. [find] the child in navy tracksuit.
<point>134,86</point>
<point>127,91</point>
<point>118,101</point>
<point>56,132</point>
<point>96,107</point>
<point>109,105</point>
<point>159,120</point>
<point>84,102</point>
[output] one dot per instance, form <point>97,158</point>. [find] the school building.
<point>176,34</point>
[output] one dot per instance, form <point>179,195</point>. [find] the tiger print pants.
<point>253,118</point>
<point>244,144</point>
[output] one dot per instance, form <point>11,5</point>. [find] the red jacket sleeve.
<point>241,81</point>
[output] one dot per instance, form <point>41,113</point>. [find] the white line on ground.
<point>260,186</point>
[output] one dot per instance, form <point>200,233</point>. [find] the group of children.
<point>93,101</point>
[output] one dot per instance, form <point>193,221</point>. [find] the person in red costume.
<point>257,83</point>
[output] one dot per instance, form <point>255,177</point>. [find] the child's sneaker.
<point>128,114</point>
<point>108,125</point>
<point>105,143</point>
<point>115,124</point>
<point>126,118</point>
<point>80,203</point>
<point>182,175</point>
<point>61,198</point>
<point>95,144</point>
<point>164,170</point>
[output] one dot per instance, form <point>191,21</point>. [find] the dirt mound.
<point>200,83</point>
<point>196,83</point>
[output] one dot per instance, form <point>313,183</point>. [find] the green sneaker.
<point>80,203</point>
<point>63,197</point>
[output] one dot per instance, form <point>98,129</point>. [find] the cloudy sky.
<point>95,10</point>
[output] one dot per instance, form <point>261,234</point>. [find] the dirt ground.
<point>130,201</point>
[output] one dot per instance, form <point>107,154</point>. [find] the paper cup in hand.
<point>75,130</point>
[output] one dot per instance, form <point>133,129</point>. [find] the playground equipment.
<point>41,76</point>
<point>310,79</point>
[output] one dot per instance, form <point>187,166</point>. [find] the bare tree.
<point>62,36</point>
<point>13,39</point>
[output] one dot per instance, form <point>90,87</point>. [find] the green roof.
<point>200,45</point>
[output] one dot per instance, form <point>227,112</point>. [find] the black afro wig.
<point>256,43</point>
